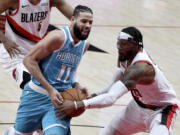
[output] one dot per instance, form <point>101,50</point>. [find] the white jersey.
<point>28,23</point>
<point>159,92</point>
<point>25,26</point>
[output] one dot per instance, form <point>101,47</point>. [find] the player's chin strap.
<point>117,90</point>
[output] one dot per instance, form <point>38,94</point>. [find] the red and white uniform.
<point>154,108</point>
<point>157,94</point>
<point>25,26</point>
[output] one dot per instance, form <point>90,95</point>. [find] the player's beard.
<point>126,56</point>
<point>78,34</point>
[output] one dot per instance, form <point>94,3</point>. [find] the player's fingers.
<point>60,98</point>
<point>93,95</point>
<point>84,90</point>
<point>54,103</point>
<point>58,108</point>
<point>62,117</point>
<point>57,102</point>
<point>58,113</point>
<point>13,53</point>
<point>17,49</point>
<point>10,54</point>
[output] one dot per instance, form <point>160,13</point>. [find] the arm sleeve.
<point>117,90</point>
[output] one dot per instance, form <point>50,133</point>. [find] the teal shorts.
<point>36,110</point>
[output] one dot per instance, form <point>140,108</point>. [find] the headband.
<point>125,36</point>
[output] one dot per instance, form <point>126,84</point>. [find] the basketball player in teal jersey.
<point>52,63</point>
<point>26,24</point>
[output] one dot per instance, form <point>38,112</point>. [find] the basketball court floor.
<point>158,20</point>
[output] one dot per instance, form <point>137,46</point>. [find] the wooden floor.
<point>160,24</point>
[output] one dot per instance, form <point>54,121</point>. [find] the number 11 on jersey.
<point>64,71</point>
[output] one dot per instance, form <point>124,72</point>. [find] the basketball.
<point>74,94</point>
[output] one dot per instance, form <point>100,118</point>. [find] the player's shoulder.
<point>143,67</point>
<point>87,43</point>
<point>57,35</point>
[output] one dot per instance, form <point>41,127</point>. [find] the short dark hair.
<point>81,8</point>
<point>135,33</point>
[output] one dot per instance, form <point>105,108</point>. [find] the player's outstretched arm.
<point>138,73</point>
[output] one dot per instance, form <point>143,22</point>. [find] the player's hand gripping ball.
<point>74,94</point>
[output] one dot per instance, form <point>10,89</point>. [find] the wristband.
<point>75,105</point>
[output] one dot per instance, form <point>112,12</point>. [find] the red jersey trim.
<point>50,4</point>
<point>170,115</point>
<point>140,103</point>
<point>145,61</point>
<point>2,17</point>
<point>2,25</point>
<point>3,21</point>
<point>22,31</point>
<point>123,66</point>
<point>14,74</point>
<point>35,2</point>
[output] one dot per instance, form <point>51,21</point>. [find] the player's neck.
<point>131,59</point>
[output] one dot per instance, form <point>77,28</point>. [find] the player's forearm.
<point>64,7</point>
<point>117,90</point>
<point>67,10</point>
<point>35,71</point>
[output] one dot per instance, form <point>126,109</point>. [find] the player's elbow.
<point>27,61</point>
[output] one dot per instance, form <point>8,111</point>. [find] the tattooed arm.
<point>141,73</point>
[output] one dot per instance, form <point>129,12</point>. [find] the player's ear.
<point>72,19</point>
